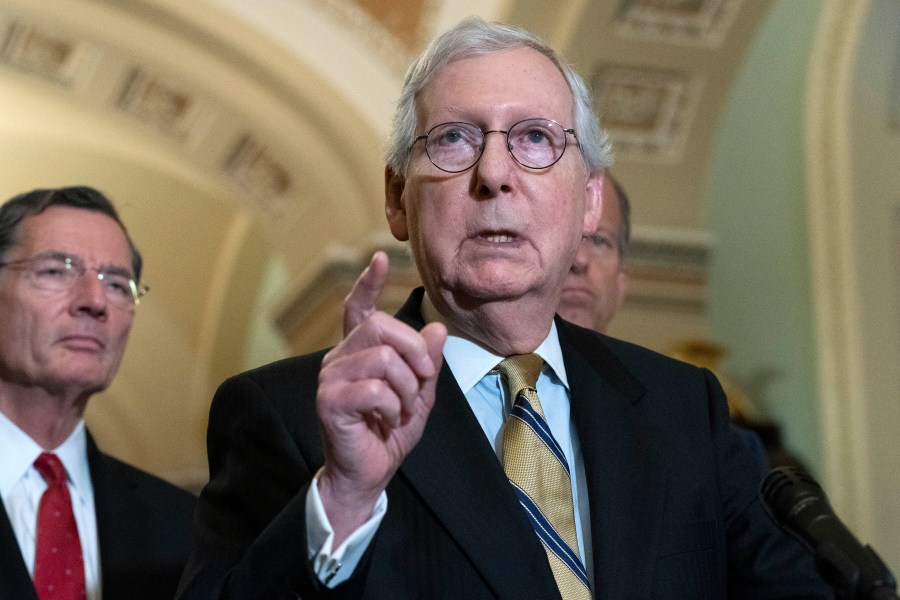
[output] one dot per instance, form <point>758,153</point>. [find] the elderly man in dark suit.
<point>74,522</point>
<point>474,446</point>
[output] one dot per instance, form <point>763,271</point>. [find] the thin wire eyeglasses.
<point>534,143</point>
<point>56,272</point>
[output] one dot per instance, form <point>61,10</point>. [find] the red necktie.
<point>58,563</point>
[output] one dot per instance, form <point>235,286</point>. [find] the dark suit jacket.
<point>674,507</point>
<point>143,526</point>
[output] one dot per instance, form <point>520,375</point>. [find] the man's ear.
<point>394,210</point>
<point>593,203</point>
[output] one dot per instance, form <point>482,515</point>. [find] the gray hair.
<point>474,36</point>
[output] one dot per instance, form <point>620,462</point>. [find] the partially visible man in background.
<point>74,522</point>
<point>596,286</point>
<point>598,281</point>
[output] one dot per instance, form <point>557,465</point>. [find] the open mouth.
<point>498,238</point>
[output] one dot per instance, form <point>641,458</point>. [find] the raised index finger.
<point>360,302</point>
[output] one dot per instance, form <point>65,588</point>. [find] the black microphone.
<point>799,506</point>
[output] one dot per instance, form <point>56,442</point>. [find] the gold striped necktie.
<point>539,473</point>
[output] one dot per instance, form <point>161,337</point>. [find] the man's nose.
<point>494,167</point>
<point>582,256</point>
<point>88,296</point>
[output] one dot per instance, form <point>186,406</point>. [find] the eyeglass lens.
<point>534,143</point>
<point>60,273</point>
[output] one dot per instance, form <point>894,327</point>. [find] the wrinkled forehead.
<point>93,236</point>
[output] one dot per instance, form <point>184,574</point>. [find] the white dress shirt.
<point>21,487</point>
<point>486,394</point>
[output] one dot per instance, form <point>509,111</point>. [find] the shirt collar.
<point>19,452</point>
<point>73,454</point>
<point>469,362</point>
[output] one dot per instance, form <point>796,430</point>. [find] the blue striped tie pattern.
<point>539,473</point>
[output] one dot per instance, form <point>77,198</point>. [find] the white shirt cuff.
<point>335,566</point>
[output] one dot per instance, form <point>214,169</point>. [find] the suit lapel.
<point>625,470</point>
<point>458,476</point>
<point>119,520</point>
<point>15,582</point>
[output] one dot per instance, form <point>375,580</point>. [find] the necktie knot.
<point>521,372</point>
<point>51,469</point>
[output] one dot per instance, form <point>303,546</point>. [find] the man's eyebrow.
<point>111,268</point>
<point>57,254</point>
<point>117,270</point>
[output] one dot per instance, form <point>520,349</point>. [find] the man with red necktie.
<point>74,523</point>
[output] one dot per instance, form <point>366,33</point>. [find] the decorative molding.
<point>154,97</point>
<point>669,267</point>
<point>646,112</point>
<point>691,22</point>
<point>159,102</point>
<point>49,53</point>
<point>259,172</point>
<point>681,253</point>
<point>311,317</point>
<point>832,211</point>
<point>383,44</point>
